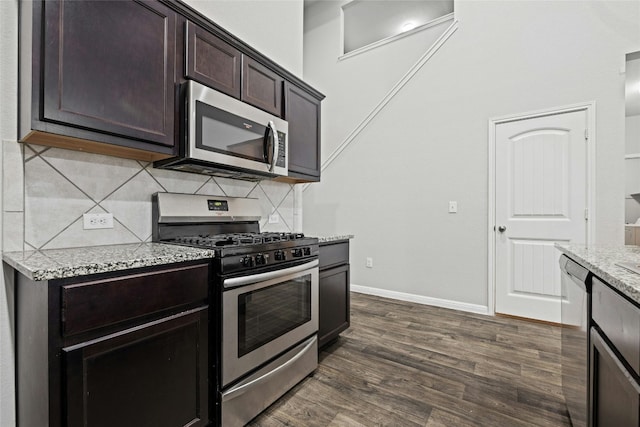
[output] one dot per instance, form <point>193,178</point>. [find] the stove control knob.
<point>247,261</point>
<point>306,251</point>
<point>261,259</point>
<point>279,255</point>
<point>297,252</point>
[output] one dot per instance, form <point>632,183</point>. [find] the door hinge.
<point>586,134</point>
<point>586,214</point>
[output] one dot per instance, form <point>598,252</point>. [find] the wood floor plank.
<point>406,364</point>
<point>342,420</point>
<point>441,418</point>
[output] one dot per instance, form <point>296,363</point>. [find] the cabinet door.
<point>302,111</point>
<point>152,375</point>
<point>261,87</point>
<point>615,394</point>
<point>212,62</point>
<point>334,307</point>
<point>109,67</point>
<point>629,236</point>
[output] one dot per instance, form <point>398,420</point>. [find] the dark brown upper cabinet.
<point>109,67</point>
<point>212,62</point>
<point>261,87</point>
<point>105,77</point>
<point>105,73</point>
<point>302,111</point>
<point>215,63</point>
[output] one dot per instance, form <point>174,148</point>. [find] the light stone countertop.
<point>601,261</point>
<point>52,264</point>
<point>334,237</point>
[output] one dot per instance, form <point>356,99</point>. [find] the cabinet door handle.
<point>502,228</point>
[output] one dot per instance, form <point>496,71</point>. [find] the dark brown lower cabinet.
<point>154,375</point>
<point>334,289</point>
<point>615,396</point>
<point>614,358</point>
<point>117,349</point>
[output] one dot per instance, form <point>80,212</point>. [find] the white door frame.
<point>590,108</point>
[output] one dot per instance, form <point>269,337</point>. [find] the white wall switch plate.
<point>95,221</point>
<point>453,207</point>
<point>369,263</point>
<point>274,218</point>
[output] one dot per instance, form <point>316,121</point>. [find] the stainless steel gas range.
<point>265,316</point>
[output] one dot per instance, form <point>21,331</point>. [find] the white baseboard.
<point>454,305</point>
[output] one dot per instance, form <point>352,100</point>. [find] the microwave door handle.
<point>265,144</point>
<point>274,142</point>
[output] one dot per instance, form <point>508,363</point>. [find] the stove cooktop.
<point>236,239</point>
<point>237,252</point>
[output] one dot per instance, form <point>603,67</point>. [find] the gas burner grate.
<point>237,239</point>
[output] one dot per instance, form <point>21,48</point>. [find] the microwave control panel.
<point>282,150</point>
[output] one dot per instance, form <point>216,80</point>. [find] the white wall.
<point>8,131</point>
<point>429,145</point>
<point>632,169</point>
<point>273,27</point>
<point>245,19</point>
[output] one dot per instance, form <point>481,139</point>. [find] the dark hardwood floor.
<point>405,364</point>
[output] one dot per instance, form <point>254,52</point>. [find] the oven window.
<point>223,132</point>
<point>268,313</point>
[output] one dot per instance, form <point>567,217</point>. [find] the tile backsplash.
<point>46,190</point>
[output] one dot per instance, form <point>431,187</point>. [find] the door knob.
<point>502,228</point>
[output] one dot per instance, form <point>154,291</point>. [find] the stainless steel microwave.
<point>224,136</point>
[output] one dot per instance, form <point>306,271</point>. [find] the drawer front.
<point>334,254</point>
<point>91,305</point>
<point>619,320</point>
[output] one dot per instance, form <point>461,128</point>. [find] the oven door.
<point>264,315</point>
<point>224,130</point>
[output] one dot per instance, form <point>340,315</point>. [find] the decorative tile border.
<point>50,189</point>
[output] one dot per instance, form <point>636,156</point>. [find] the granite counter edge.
<point>334,238</point>
<point>609,278</point>
<point>87,268</point>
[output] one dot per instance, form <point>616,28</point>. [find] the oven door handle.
<point>261,277</point>
<point>243,388</point>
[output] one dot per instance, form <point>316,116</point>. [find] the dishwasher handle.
<point>573,269</point>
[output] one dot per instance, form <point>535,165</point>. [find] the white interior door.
<point>540,199</point>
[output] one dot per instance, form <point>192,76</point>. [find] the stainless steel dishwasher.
<point>575,314</point>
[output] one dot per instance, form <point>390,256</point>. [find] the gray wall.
<point>429,144</point>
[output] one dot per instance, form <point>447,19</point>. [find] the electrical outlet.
<point>369,263</point>
<point>453,207</point>
<point>274,219</point>
<point>95,221</point>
